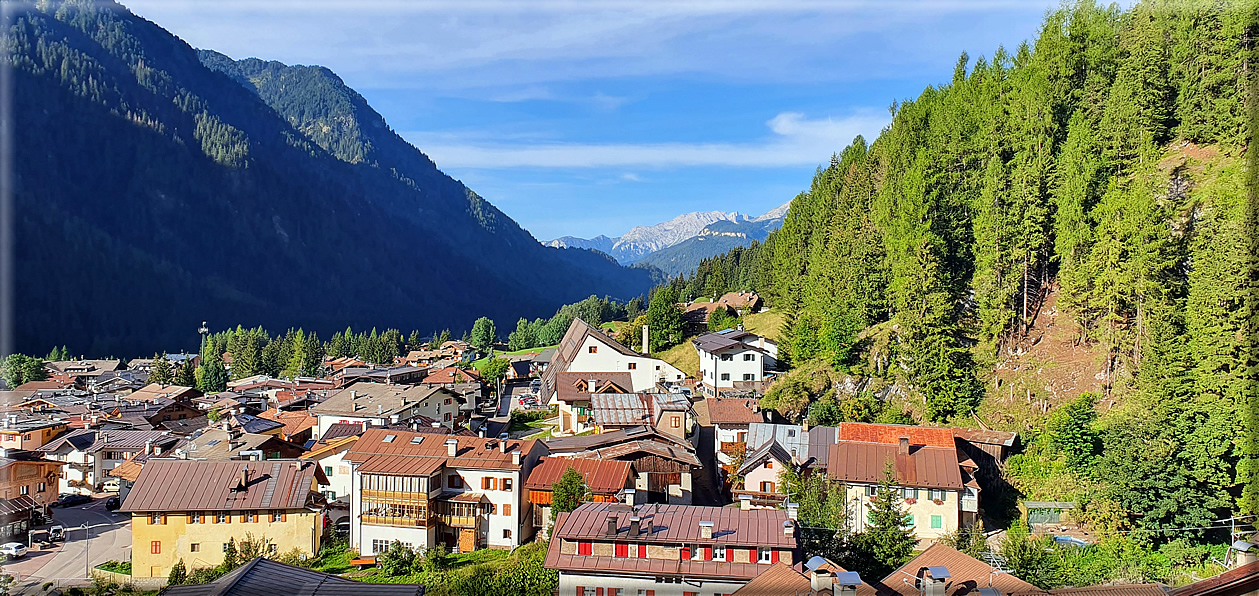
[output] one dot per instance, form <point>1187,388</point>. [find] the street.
<point>68,562</point>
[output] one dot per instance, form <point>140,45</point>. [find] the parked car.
<point>112,504</point>
<point>343,528</point>
<point>13,550</point>
<point>56,533</point>
<point>72,500</point>
<point>111,485</point>
<point>535,385</point>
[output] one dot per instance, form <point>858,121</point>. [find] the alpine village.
<point>1006,348</point>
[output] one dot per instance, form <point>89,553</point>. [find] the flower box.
<point>938,501</point>
<point>911,501</point>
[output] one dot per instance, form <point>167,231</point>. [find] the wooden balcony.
<point>397,522</point>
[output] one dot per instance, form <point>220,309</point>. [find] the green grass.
<point>453,562</point>
<point>682,356</point>
<point>767,324</point>
<point>334,558</point>
<point>116,567</point>
<point>479,364</point>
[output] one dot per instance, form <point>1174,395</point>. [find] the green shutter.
<point>937,522</point>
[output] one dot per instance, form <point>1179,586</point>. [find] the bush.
<point>116,567</point>
<point>435,559</point>
<point>178,574</point>
<point>398,560</point>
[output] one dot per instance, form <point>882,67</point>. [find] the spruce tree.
<point>887,542</point>
<point>160,372</point>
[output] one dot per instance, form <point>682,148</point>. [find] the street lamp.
<point>87,543</point>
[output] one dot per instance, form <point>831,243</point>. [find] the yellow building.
<point>191,509</point>
<point>29,434</point>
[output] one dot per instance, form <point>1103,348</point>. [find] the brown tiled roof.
<point>739,299</point>
<point>570,387</point>
<point>783,580</point>
<point>991,437</point>
<point>1115,590</point>
<point>891,433</point>
<point>603,477</point>
<point>678,524</point>
<point>294,422</point>
<point>967,574</point>
<point>451,375</point>
<point>734,411</point>
<point>198,485</point>
<point>1240,580</point>
<point>404,456</point>
<point>924,467</point>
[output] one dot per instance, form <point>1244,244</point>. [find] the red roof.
<point>891,433</point>
<point>967,573</point>
<point>570,387</point>
<point>294,422</point>
<point>407,453</point>
<point>734,411</point>
<point>603,477</point>
<point>200,485</point>
<point>924,467</point>
<point>451,375</point>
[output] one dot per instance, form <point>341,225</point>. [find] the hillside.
<point>163,193</point>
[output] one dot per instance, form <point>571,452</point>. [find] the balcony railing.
<point>459,521</point>
<point>971,505</point>
<point>397,522</point>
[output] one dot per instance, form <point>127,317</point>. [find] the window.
<point>454,481</point>
<point>725,376</point>
<point>379,546</point>
<point>507,484</point>
<point>222,518</point>
<point>272,548</point>
<point>909,493</point>
<point>594,349</point>
<point>155,547</point>
<point>194,547</point>
<point>872,491</point>
<point>749,357</point>
<point>277,516</point>
<point>389,438</point>
<point>727,357</point>
<point>194,518</point>
<point>327,470</point>
<point>588,591</point>
<point>642,551</point>
<point>507,534</point>
<point>25,489</point>
<point>909,521</point>
<point>675,421</point>
<point>448,401</point>
<point>686,553</point>
<point>249,518</point>
<point>657,367</point>
<point>447,416</point>
<point>767,486</point>
<point>156,518</point>
<point>42,487</point>
<point>934,494</point>
<point>719,553</point>
<point>937,522</point>
<point>507,511</point>
<point>633,366</point>
<point>749,377</point>
<point>769,464</point>
<point>489,484</point>
<point>585,548</point>
<point>764,555</point>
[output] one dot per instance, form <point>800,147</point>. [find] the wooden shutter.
<point>642,554</point>
<point>708,553</point>
<point>773,556</point>
<point>686,553</point>
<point>507,509</point>
<point>622,549</point>
<point>598,591</point>
<point>581,591</point>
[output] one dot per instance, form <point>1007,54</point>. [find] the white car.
<point>13,550</point>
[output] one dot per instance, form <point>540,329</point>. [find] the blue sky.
<point>584,118</point>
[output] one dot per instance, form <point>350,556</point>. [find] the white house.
<point>92,453</point>
<point>731,419</point>
<point>427,489</point>
<point>331,457</point>
<point>585,349</point>
<point>382,404</point>
<point>734,359</point>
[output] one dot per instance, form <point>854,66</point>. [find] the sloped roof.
<point>451,375</point>
<point>891,433</point>
<point>678,524</point>
<point>734,411</point>
<point>199,485</point>
<point>783,580</point>
<point>768,450</point>
<point>570,387</point>
<point>91,440</point>
<point>411,453</point>
<point>364,399</point>
<point>603,477</point>
<point>990,437</point>
<point>264,577</point>
<point>294,422</point>
<point>1115,590</point>
<point>1240,580</point>
<point>967,574</point>
<point>154,391</point>
<point>923,466</point>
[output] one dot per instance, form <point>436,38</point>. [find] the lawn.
<point>682,356</point>
<point>479,364</point>
<point>768,324</point>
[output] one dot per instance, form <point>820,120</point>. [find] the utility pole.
<point>87,543</point>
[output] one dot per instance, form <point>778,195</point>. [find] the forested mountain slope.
<point>1099,174</point>
<point>715,239</point>
<point>153,192</point>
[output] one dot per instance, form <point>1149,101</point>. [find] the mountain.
<point>642,241</point>
<point>154,192</point>
<point>715,239</point>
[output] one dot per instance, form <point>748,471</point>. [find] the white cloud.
<point>795,141</point>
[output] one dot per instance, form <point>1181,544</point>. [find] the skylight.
<point>389,438</point>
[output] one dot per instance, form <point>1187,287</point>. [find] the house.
<point>585,349</point>
<point>146,364</point>
<point>29,474</point>
<point>330,455</point>
<point>695,314</point>
<point>730,419</point>
<point>89,454</point>
<point>742,302</point>
<point>155,391</point>
<point>424,489</point>
<point>119,382</point>
<point>223,442</point>
<point>939,494</point>
<point>79,373</point>
<point>298,426</point>
<point>418,358</point>
<point>450,376</point>
<point>150,413</point>
<point>189,509</point>
<point>943,571</point>
<point>667,549</point>
<point>264,576</point>
<point>668,413</point>
<point>760,472</point>
<point>519,367</point>
<point>379,404</point>
<point>574,392</point>
<point>1242,580</point>
<point>734,360</point>
<point>663,464</point>
<point>16,516</point>
<point>28,433</point>
<point>542,360</point>
<point>607,481</point>
<point>824,579</point>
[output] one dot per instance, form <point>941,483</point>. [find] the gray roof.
<point>820,440</point>
<point>263,577</point>
<point>545,356</point>
<point>793,438</point>
<point>729,339</point>
<point>770,449</point>
<point>378,400</point>
<point>91,440</point>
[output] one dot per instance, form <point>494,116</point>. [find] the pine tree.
<point>887,541</point>
<point>568,492</point>
<point>160,372</point>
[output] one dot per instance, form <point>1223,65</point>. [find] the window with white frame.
<point>749,357</point>
<point>719,553</point>
<point>764,555</point>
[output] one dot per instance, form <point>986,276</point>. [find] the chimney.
<point>148,447</point>
<point>481,433</point>
<point>745,502</point>
<point>793,511</point>
<point>612,528</point>
<point>629,496</point>
<point>380,409</point>
<point>515,458</point>
<point>706,530</point>
<point>789,529</point>
<point>846,583</point>
<point>592,385</point>
<point>502,445</point>
<point>635,526</point>
<point>244,477</point>
<point>452,446</point>
<point>646,341</point>
<point>353,394</point>
<point>934,582</point>
<point>821,580</point>
<point>903,448</point>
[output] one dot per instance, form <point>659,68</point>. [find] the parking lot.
<point>93,536</point>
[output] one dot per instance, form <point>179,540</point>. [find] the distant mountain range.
<point>677,246</point>
<point>159,186</point>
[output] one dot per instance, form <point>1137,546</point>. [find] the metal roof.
<point>199,485</point>
<point>400,455</point>
<point>677,524</point>
<point>603,477</point>
<point>967,573</point>
<point>264,577</point>
<point>792,437</point>
<point>922,467</point>
<point>891,433</point>
<point>734,411</point>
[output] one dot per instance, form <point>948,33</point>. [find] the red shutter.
<point>708,553</point>
<point>642,554</point>
<point>651,593</point>
<point>584,548</point>
<point>581,591</point>
<point>773,556</point>
<point>686,553</point>
<point>622,549</point>
<point>598,591</point>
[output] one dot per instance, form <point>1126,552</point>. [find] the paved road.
<point>68,562</point>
